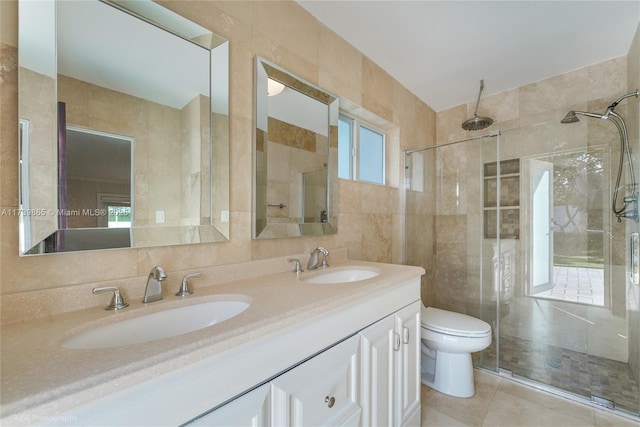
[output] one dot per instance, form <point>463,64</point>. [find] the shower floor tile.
<point>576,284</point>
<point>568,370</point>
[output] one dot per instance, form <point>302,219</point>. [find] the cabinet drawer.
<point>321,391</point>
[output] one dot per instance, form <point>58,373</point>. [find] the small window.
<point>361,150</point>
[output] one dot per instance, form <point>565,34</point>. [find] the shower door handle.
<point>634,256</point>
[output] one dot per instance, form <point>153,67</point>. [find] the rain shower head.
<point>476,122</point>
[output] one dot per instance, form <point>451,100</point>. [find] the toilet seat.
<point>451,323</point>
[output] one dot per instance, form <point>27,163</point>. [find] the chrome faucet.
<point>153,291</point>
<point>314,258</point>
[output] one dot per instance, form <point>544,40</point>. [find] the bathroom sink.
<point>342,275</point>
<point>160,324</point>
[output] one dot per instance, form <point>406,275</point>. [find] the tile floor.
<point>502,402</point>
<point>579,373</point>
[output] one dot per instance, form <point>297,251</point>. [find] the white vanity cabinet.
<point>390,378</point>
<point>369,379</point>
<point>322,391</point>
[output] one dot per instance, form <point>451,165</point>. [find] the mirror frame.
<point>263,229</point>
<point>214,227</point>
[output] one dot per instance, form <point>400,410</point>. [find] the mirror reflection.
<point>296,143</point>
<point>123,134</point>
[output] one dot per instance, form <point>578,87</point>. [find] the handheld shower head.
<point>630,207</point>
<point>570,118</point>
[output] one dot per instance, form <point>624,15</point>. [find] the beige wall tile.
<point>288,24</point>
<point>449,125</point>
<point>226,18</point>
<point>607,78</point>
<point>377,89</point>
<point>340,66</point>
<point>557,92</point>
<point>502,107</point>
<point>377,237</point>
<point>9,113</point>
<point>426,118</point>
<point>278,53</point>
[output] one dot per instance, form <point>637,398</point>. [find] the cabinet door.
<point>249,410</point>
<point>323,391</point>
<point>408,365</point>
<point>378,378</point>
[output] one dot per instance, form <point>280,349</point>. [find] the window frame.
<point>355,147</point>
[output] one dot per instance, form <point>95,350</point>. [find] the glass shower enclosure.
<point>517,228</point>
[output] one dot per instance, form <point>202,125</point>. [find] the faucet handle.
<point>184,287</point>
<point>325,253</point>
<point>296,268</point>
<point>117,302</point>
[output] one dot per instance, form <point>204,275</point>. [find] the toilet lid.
<point>451,323</point>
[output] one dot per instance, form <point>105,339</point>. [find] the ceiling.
<point>440,50</point>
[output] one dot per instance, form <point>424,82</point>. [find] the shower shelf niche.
<point>502,193</point>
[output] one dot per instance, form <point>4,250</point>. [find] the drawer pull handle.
<point>405,335</point>
<point>330,401</point>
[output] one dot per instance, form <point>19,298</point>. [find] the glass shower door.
<point>452,230</point>
<point>572,324</point>
<point>517,229</point>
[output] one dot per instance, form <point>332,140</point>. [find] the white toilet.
<point>448,339</point>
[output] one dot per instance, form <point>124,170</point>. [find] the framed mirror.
<point>124,127</point>
<point>296,153</point>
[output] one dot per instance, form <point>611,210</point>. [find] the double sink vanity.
<point>255,343</point>
<point>334,346</point>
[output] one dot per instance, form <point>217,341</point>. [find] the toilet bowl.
<point>448,339</point>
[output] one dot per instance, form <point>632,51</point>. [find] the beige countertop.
<point>39,376</point>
